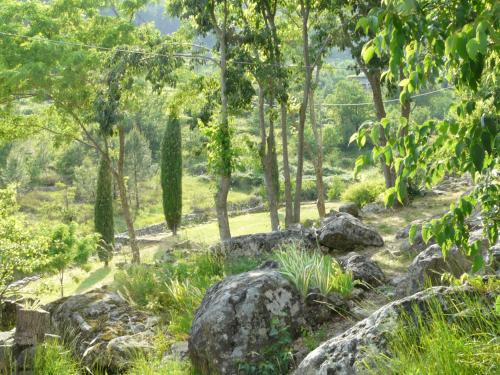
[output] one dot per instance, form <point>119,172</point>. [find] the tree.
<point>103,212</point>
<point>459,41</point>
<point>171,173</point>
<point>138,161</point>
<point>65,249</point>
<point>21,249</point>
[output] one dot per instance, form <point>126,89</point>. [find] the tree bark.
<point>265,153</point>
<point>318,165</point>
<point>286,165</point>
<point>374,80</point>
<point>31,326</point>
<point>122,190</point>
<point>224,179</point>
<point>304,10</point>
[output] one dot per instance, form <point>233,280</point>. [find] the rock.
<point>363,269</point>
<point>237,317</point>
<point>350,208</point>
<point>320,309</point>
<point>372,208</point>
<point>256,245</point>
<point>344,232</point>
<point>177,352</point>
<point>344,353</point>
<point>109,330</point>
<point>430,264</point>
<point>7,314</point>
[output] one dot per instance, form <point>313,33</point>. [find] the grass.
<point>52,358</point>
<point>309,270</point>
<point>461,342</point>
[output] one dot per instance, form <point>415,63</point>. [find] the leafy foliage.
<point>363,192</point>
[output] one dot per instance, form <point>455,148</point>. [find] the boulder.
<point>372,208</point>
<point>109,331</point>
<point>237,318</point>
<point>319,309</point>
<point>430,264</point>
<point>350,208</point>
<point>256,245</point>
<point>7,351</point>
<point>344,353</point>
<point>363,269</point>
<point>344,232</point>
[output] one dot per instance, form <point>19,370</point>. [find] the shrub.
<point>336,187</point>
<point>309,191</point>
<point>310,269</point>
<point>363,192</point>
<point>432,343</point>
<point>103,212</point>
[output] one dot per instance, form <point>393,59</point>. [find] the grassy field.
<point>388,223</point>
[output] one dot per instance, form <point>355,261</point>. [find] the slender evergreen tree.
<point>171,173</point>
<point>103,212</point>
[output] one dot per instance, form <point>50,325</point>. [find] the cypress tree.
<point>171,173</point>
<point>103,212</point>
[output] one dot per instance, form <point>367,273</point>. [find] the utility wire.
<point>154,54</point>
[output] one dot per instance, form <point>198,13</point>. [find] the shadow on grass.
<point>93,278</point>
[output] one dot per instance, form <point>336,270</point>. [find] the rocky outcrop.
<point>343,354</point>
<point>373,208</point>
<point>343,232</point>
<point>351,208</point>
<point>237,317</point>
<point>363,269</point>
<point>256,245</point>
<point>108,330</point>
<point>429,265</point>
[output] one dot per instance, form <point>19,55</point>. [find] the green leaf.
<point>497,305</point>
<point>412,233</point>
<point>477,155</point>
<point>360,162</point>
<point>478,263</point>
<point>375,135</point>
<point>390,197</point>
<point>426,233</point>
<point>367,53</point>
<point>473,48</point>
<point>353,138</point>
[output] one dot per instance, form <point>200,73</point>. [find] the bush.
<point>363,192</point>
<point>432,343</point>
<point>310,269</point>
<point>336,187</point>
<point>309,191</point>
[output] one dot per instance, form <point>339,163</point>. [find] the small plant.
<point>310,269</point>
<point>337,187</point>
<point>275,359</point>
<point>363,192</point>
<point>313,338</point>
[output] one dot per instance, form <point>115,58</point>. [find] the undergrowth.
<point>461,342</point>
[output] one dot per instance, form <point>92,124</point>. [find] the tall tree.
<point>138,161</point>
<point>171,173</point>
<point>103,212</point>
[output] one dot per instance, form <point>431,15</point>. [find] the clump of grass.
<point>459,342</point>
<point>310,270</point>
<point>52,358</point>
<point>149,366</point>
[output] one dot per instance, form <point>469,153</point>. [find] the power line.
<point>154,54</point>
<point>385,101</point>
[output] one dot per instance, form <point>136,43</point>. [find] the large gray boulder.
<point>237,317</point>
<point>343,232</point>
<point>109,331</point>
<point>343,354</point>
<point>430,264</point>
<point>258,244</point>
<point>363,269</point>
<point>350,208</point>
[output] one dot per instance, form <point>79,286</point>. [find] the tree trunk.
<point>374,80</point>
<point>224,182</point>
<point>31,326</point>
<point>136,188</point>
<point>61,282</point>
<point>304,10</point>
<point>318,165</point>
<point>122,190</point>
<point>286,165</point>
<point>266,160</point>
